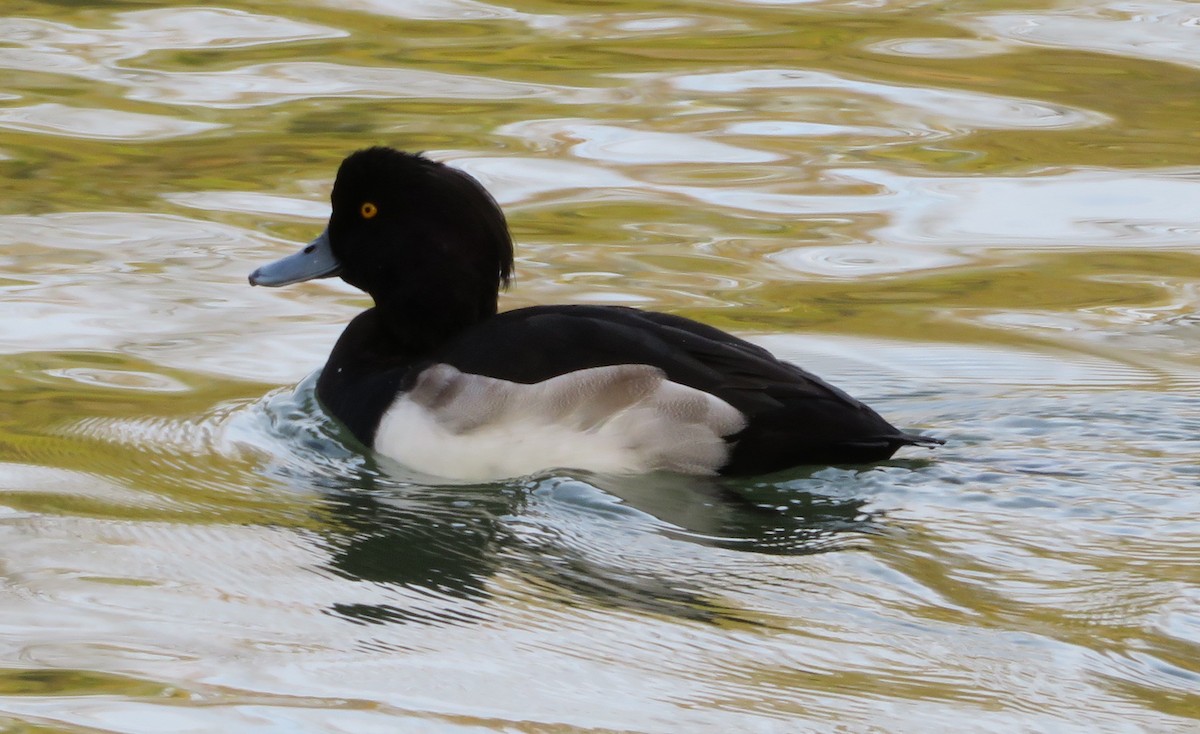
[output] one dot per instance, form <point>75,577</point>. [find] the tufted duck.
<point>435,378</point>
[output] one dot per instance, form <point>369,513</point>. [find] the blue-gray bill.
<point>316,260</point>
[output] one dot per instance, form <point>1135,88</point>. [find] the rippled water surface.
<point>981,217</point>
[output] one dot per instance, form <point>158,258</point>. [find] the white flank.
<point>622,419</point>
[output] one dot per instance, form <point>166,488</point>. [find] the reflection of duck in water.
<point>436,548</point>
<point>433,377</point>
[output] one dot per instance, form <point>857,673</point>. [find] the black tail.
<point>912,439</point>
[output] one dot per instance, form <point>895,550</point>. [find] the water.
<point>979,217</point>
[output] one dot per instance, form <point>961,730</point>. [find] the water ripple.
<point>439,10</point>
<point>630,146</point>
<point>975,110</point>
<point>79,122</point>
<point>884,362</point>
<point>1070,209</point>
<point>856,261</point>
<point>939,48</point>
<point>276,83</point>
<point>139,32</point>
<point>1159,30</point>
<point>100,273</point>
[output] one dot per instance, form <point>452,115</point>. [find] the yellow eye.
<point>368,210</point>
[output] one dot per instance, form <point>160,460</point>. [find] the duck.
<point>436,377</point>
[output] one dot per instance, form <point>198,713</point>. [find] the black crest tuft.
<point>435,250</point>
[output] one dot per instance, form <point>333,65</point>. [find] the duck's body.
<point>436,379</point>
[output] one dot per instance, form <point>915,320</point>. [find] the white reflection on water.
<point>803,129</point>
<point>120,379</point>
<point>137,32</point>
<point>96,53</point>
<point>939,108</point>
<point>1073,208</point>
<point>1159,30</point>
<point>79,122</point>
<point>894,363</point>
<point>439,10</point>
<point>856,261</point>
<point>1079,208</point>
<point>627,145</point>
<point>270,84</point>
<point>252,202</point>
<point>611,24</point>
<point>157,286</point>
<point>517,179</point>
<point>17,478</point>
<point>940,48</point>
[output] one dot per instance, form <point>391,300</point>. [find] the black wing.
<point>793,417</point>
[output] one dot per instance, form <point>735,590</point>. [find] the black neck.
<point>418,320</point>
<point>372,357</point>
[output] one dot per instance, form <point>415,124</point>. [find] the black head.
<point>410,230</point>
<point>425,240</point>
